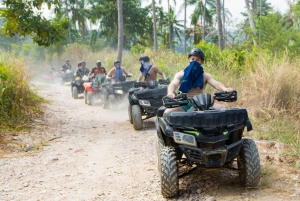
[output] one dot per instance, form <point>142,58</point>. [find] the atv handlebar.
<point>162,81</point>
<point>224,96</point>
<point>139,84</point>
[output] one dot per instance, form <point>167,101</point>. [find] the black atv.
<point>93,89</point>
<point>113,94</point>
<point>145,99</point>
<point>77,86</point>
<point>66,76</point>
<point>204,138</point>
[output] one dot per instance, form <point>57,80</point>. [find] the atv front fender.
<point>166,129</point>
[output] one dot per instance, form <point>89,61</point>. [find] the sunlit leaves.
<point>23,18</point>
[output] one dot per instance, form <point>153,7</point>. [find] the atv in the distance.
<point>145,99</point>
<point>93,89</point>
<point>113,94</point>
<point>204,138</point>
<point>66,76</point>
<point>77,85</point>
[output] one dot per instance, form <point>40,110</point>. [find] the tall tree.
<point>154,25</point>
<point>220,28</point>
<point>120,30</point>
<point>69,28</point>
<point>80,15</point>
<point>251,19</point>
<point>184,29</point>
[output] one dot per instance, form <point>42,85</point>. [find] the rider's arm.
<point>216,84</point>
<point>174,84</point>
<point>140,77</point>
<point>160,72</point>
<point>125,72</point>
<point>109,74</point>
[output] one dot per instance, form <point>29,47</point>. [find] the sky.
<point>235,7</point>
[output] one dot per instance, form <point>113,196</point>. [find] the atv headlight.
<point>119,91</point>
<point>182,138</point>
<point>145,103</point>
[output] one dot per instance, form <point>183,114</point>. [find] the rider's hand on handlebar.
<point>228,90</point>
<point>171,95</point>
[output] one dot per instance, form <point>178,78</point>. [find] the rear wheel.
<point>90,99</point>
<point>130,113</point>
<point>249,164</point>
<point>137,117</point>
<point>75,93</point>
<point>168,172</point>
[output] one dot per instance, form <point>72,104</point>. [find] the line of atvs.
<point>201,139</point>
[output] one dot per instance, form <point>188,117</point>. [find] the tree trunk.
<point>251,20</point>
<point>184,29</point>
<point>204,22</point>
<point>224,27</point>
<point>69,28</point>
<point>169,21</point>
<point>220,28</point>
<point>260,14</point>
<point>120,30</point>
<point>154,25</point>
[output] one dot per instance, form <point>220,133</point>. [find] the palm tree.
<point>203,13</point>
<point>154,25</point>
<point>220,28</point>
<point>69,28</point>
<point>79,17</point>
<point>251,20</point>
<point>184,36</point>
<point>174,24</point>
<point>120,30</point>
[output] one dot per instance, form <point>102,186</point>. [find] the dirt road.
<point>88,153</point>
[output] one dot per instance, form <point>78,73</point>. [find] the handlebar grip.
<point>181,96</point>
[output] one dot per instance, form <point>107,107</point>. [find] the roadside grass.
<point>267,176</point>
<point>19,105</point>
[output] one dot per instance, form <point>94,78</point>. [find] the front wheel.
<point>130,113</point>
<point>169,180</point>
<point>249,164</point>
<point>137,117</point>
<point>90,99</point>
<point>112,102</point>
<point>75,93</point>
<point>85,97</point>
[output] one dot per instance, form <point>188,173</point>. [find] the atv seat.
<point>203,101</point>
<point>208,118</point>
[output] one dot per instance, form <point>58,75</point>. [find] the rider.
<point>192,80</point>
<point>82,70</point>
<point>98,70</point>
<point>148,70</point>
<point>66,66</point>
<point>116,73</point>
<point>77,70</point>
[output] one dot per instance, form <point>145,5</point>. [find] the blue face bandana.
<point>145,68</point>
<point>193,77</point>
<point>119,71</point>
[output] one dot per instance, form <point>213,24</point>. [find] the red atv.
<point>92,90</point>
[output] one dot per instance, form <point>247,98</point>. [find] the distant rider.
<point>116,73</point>
<point>149,71</point>
<point>98,70</point>
<point>66,66</point>
<point>82,70</point>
